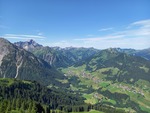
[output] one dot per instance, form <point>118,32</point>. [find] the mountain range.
<point>64,57</point>
<point>56,56</point>
<point>112,77</point>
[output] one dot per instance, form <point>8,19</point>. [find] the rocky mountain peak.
<point>28,45</point>
<point>4,45</point>
<point>4,41</point>
<point>32,42</point>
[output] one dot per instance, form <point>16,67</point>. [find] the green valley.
<point>102,84</point>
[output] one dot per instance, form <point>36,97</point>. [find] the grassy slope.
<point>97,80</point>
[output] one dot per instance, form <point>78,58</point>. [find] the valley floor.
<point>96,89</point>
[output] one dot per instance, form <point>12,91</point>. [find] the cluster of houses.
<point>132,89</point>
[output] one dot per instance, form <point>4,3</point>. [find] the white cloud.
<point>136,36</point>
<point>64,44</point>
<point>141,23</point>
<point>139,28</point>
<point>23,37</point>
<point>61,44</point>
<point>90,35</point>
<point>106,29</point>
<point>40,33</point>
<point>109,37</point>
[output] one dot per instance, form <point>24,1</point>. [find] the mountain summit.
<point>28,45</point>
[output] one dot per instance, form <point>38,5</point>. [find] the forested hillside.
<point>30,97</point>
<point>126,66</point>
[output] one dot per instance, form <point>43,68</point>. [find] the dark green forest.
<point>30,97</point>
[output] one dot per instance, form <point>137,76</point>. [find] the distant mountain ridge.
<point>58,57</point>
<point>145,53</point>
<point>64,57</point>
<point>128,68</point>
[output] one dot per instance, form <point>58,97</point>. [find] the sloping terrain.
<point>20,64</point>
<point>144,53</point>
<point>31,97</point>
<point>109,80</point>
<point>113,78</point>
<point>19,96</point>
<point>128,68</point>
<point>58,57</point>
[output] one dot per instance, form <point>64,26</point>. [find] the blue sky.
<point>80,23</point>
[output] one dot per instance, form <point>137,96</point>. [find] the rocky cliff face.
<point>3,49</point>
<point>28,45</point>
<point>21,64</point>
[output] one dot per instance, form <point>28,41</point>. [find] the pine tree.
<point>30,107</point>
<point>47,110</point>
<point>34,109</point>
<point>18,104</point>
<point>13,106</point>
<point>3,106</point>
<point>22,106</point>
<point>8,107</point>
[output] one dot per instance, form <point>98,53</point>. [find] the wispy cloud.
<point>64,43</point>
<point>109,37</point>
<point>143,23</point>
<point>105,29</point>
<point>90,35</point>
<point>23,37</point>
<point>135,35</point>
<point>40,33</point>
<point>60,44</point>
